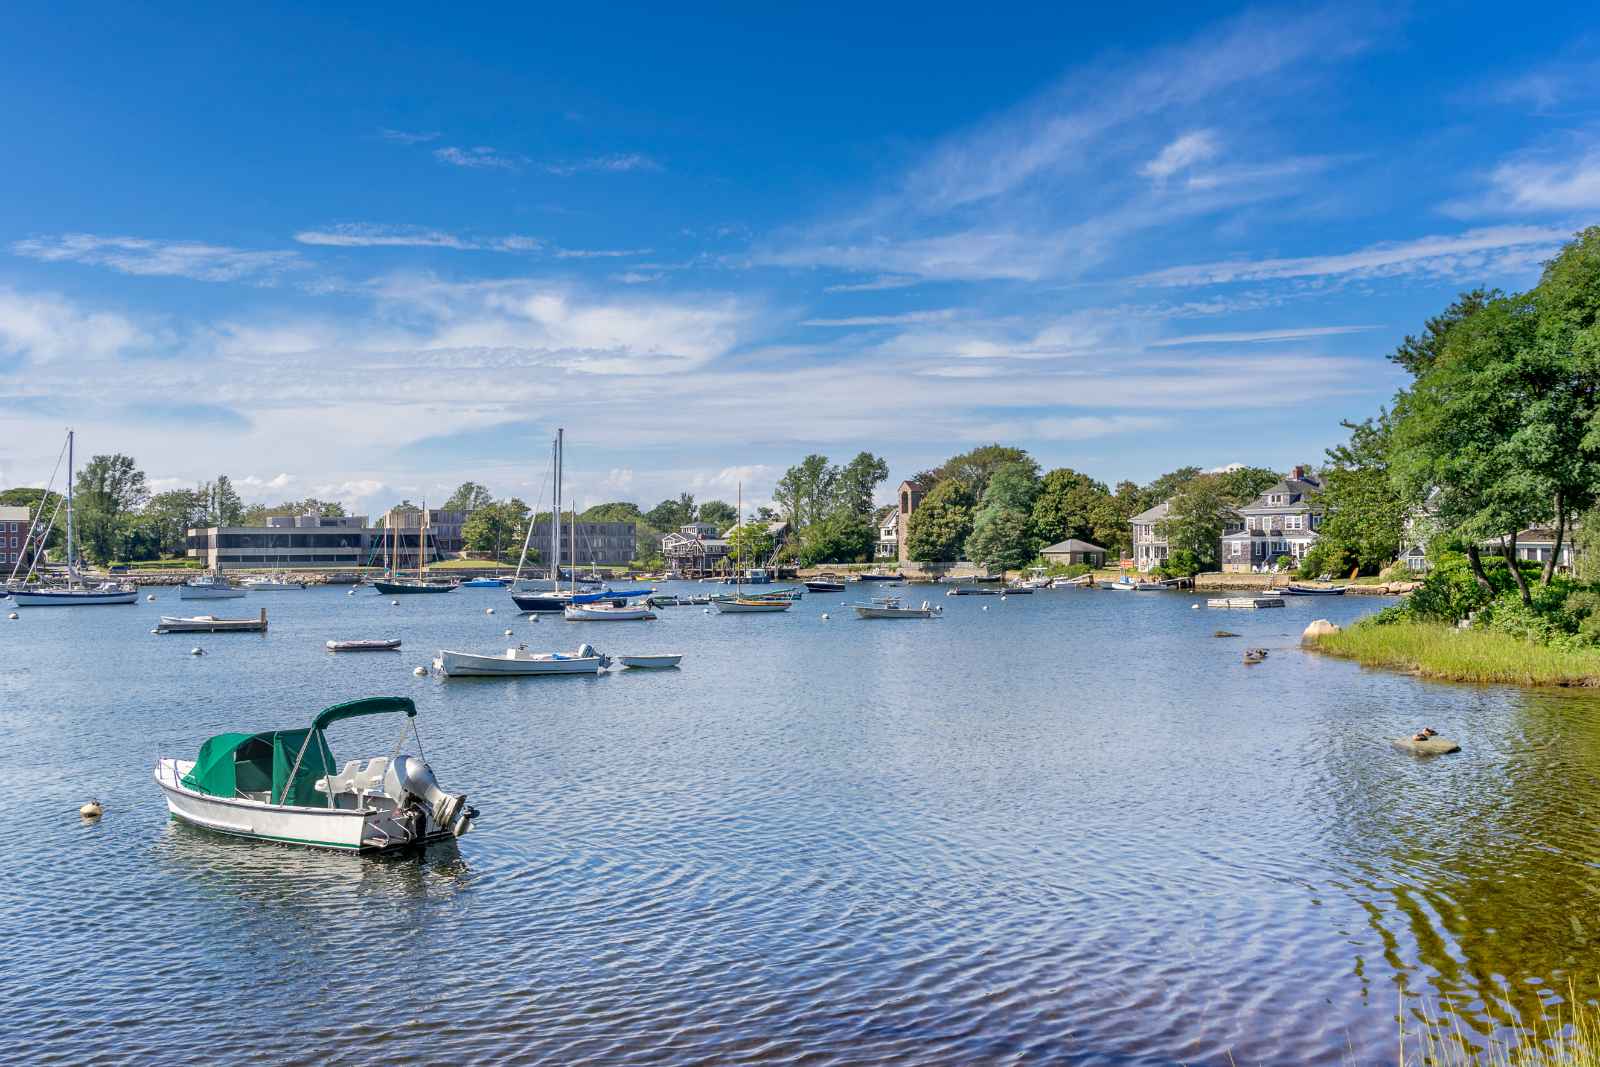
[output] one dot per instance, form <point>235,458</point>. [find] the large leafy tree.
<point>170,515</point>
<point>1069,504</point>
<point>974,469</point>
<point>671,514</point>
<point>1201,510</point>
<point>839,538</point>
<point>615,511</point>
<point>1417,353</point>
<point>750,544</point>
<point>1246,483</point>
<point>856,484</point>
<point>805,493</point>
<point>940,525</point>
<point>1364,513</point>
<point>718,513</point>
<point>1166,486</point>
<point>1000,538</point>
<point>222,502</point>
<point>469,496</point>
<point>109,489</point>
<point>497,527</point>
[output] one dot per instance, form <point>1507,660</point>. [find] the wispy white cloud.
<point>43,327</point>
<point>872,285</point>
<point>481,157</point>
<point>1497,248</point>
<point>903,318</point>
<point>613,164</point>
<point>144,256</point>
<point>1555,181</point>
<point>634,277</point>
<point>374,235</point>
<point>1183,153</point>
<point>1304,333</point>
<point>600,253</point>
<point>408,137</point>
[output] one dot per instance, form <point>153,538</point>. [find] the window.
<point>1291,522</point>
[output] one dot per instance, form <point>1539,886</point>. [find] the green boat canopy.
<point>232,764</point>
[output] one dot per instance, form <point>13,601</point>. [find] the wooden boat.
<point>376,644</point>
<point>210,624</point>
<point>607,613</point>
<point>519,661</point>
<point>1245,602</point>
<point>285,786</point>
<point>656,662</point>
<point>890,607</point>
<point>394,583</point>
<point>1314,590</point>
<point>749,605</point>
<point>405,586</point>
<point>209,587</point>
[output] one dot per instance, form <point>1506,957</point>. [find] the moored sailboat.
<point>75,593</point>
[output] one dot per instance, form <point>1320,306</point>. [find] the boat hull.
<point>750,607</point>
<point>203,592</point>
<point>896,613</point>
<point>474,665</point>
<point>273,587</point>
<point>330,828</point>
<point>1305,590</point>
<point>406,588</point>
<point>66,599</point>
<point>651,662</point>
<point>584,613</point>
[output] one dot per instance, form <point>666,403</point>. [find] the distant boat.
<point>403,586</point>
<point>483,583</point>
<point>394,584</point>
<point>750,605</point>
<point>756,603</point>
<point>209,587</point>
<point>1245,602</point>
<point>378,644</point>
<point>74,593</point>
<point>875,576</point>
<point>890,607</point>
<point>607,613</point>
<point>1072,583</point>
<point>825,587</point>
<point>1314,590</point>
<point>964,590</point>
<point>210,624</point>
<point>286,786</point>
<point>519,661</point>
<point>271,583</point>
<point>658,661</point>
<point>1019,589</point>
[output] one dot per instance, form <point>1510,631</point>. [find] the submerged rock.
<point>1428,746</point>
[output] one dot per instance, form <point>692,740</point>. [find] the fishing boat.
<point>1314,590</point>
<point>657,662</point>
<point>373,644</point>
<point>271,583</point>
<point>1019,589</point>
<point>608,613</point>
<point>754,604</point>
<point>75,593</point>
<point>890,607</point>
<point>211,624</point>
<point>214,586</point>
<point>286,786</point>
<point>519,661</point>
<point>394,583</point>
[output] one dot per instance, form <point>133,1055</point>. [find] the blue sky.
<point>371,254</point>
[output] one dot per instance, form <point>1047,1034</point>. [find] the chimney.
<point>1299,474</point>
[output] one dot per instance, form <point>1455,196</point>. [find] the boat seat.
<point>371,777</point>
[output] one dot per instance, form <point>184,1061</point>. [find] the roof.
<point>1296,489</point>
<point>1072,544</point>
<point>14,513</point>
<point>1155,514</point>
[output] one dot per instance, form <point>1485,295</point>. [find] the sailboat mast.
<point>422,544</point>
<point>555,515</point>
<point>738,531</point>
<point>72,563</point>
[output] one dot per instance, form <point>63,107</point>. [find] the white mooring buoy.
<point>351,592</point>
<point>12,615</point>
<point>151,599</point>
<point>508,633</point>
<point>824,614</point>
<point>488,611</point>
<point>197,651</point>
<point>420,671</point>
<point>986,607</point>
<point>394,603</point>
<point>92,810</point>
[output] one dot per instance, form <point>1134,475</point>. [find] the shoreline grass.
<point>1441,652</point>
<point>1569,1036</point>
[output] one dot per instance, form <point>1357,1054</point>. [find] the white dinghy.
<point>657,662</point>
<point>607,613</point>
<point>370,644</point>
<point>284,785</point>
<point>519,661</point>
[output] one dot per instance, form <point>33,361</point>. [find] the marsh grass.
<point>1568,1037</point>
<point>1433,650</point>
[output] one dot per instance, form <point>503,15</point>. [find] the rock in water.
<point>1431,746</point>
<point>1318,628</point>
<point>1224,633</point>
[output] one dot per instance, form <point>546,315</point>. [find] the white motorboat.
<point>1072,583</point>
<point>271,583</point>
<point>890,607</point>
<point>209,587</point>
<point>656,662</point>
<point>373,644</point>
<point>607,613</point>
<point>519,661</point>
<point>284,785</point>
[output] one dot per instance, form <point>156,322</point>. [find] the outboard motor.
<point>410,775</point>
<point>586,650</point>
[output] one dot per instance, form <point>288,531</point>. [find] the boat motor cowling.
<point>409,774</point>
<point>586,651</point>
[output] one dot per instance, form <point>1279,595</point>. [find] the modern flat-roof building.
<point>444,528</point>
<point>290,541</point>
<point>606,544</point>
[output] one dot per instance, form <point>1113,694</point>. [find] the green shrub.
<point>1450,592</point>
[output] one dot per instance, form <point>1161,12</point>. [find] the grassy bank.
<point>1437,651</point>
<point>1569,1037</point>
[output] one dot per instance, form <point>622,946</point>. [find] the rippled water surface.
<point>1068,827</point>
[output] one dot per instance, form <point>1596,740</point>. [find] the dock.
<point>1246,602</point>
<point>210,624</point>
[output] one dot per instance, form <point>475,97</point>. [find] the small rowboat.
<point>373,645</point>
<point>1313,590</point>
<point>665,659</point>
<point>210,624</point>
<point>606,613</point>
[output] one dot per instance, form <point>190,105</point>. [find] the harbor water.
<point>1067,827</point>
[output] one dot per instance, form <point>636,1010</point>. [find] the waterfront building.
<point>14,522</point>
<point>888,543</point>
<point>1073,552</point>
<point>1279,525</point>
<point>1535,545</point>
<point>694,549</point>
<point>604,544</point>
<point>291,541</point>
<point>1149,540</point>
<point>910,497</point>
<point>444,528</point>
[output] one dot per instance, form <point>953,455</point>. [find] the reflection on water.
<point>1071,827</point>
